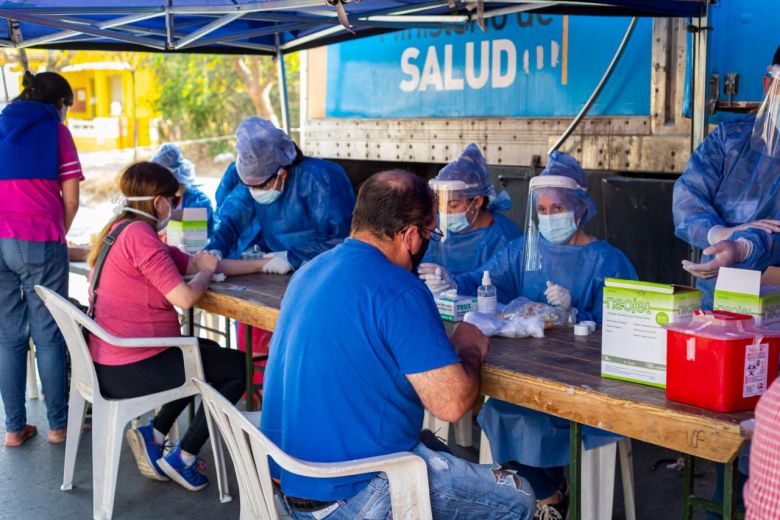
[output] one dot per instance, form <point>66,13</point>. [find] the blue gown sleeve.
<point>501,266</point>
<point>235,215</point>
<point>330,200</point>
<point>226,184</point>
<point>695,191</point>
<point>766,249</point>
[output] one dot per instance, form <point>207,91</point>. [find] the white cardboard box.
<point>455,307</point>
<point>188,229</point>
<point>633,342</point>
<point>745,291</point>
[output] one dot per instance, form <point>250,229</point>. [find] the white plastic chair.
<point>462,428</point>
<point>32,374</point>
<point>597,478</point>
<point>406,472</point>
<point>109,416</point>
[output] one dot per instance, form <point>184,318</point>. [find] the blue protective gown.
<point>464,252</point>
<point>227,183</point>
<point>312,215</point>
<point>521,434</point>
<point>728,183</point>
<point>194,198</point>
<point>580,269</point>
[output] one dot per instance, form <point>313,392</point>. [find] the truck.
<point>513,84</point>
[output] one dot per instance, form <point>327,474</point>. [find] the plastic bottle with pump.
<point>486,295</point>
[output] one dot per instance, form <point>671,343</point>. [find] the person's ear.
<point>282,174</point>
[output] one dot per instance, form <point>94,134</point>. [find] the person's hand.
<point>720,233</point>
<point>467,336</point>
<point>727,253</point>
<point>436,277</point>
<point>558,296</point>
<point>205,261</point>
<point>277,263</point>
<point>215,252</point>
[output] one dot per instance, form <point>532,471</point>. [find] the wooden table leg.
<point>575,470</point>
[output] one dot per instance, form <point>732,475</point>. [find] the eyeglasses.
<point>260,186</point>
<point>436,233</point>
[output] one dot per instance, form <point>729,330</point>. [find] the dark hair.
<point>776,59</point>
<point>138,180</point>
<point>46,87</point>
<point>390,201</point>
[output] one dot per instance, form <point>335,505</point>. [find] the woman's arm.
<point>186,294</point>
<point>235,267</point>
<point>70,201</point>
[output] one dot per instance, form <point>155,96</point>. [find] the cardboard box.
<point>188,229</point>
<point>746,292</point>
<point>633,342</point>
<point>455,307</point>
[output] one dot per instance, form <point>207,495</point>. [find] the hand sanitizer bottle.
<point>486,295</point>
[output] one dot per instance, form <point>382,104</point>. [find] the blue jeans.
<point>23,265</point>
<point>459,490</point>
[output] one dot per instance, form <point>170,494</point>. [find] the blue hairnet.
<point>471,168</point>
<point>564,165</point>
<point>169,155</point>
<point>262,150</point>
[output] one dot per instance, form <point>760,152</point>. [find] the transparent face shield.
<point>550,215</point>
<point>455,213</point>
<point>766,130</point>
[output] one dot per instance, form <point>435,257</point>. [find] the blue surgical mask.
<point>557,228</point>
<point>457,222</point>
<point>266,196</point>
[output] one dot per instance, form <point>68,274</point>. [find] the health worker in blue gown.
<point>299,206</point>
<point>469,215</point>
<point>170,156</point>
<point>727,201</point>
<point>565,267</point>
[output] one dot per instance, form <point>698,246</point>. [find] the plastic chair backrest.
<point>70,320</point>
<point>248,448</point>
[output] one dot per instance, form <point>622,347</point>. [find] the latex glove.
<point>215,252</point>
<point>727,253</point>
<point>720,233</point>
<point>558,296</point>
<point>436,277</point>
<point>278,263</point>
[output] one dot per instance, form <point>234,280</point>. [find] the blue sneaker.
<point>146,451</point>
<point>187,476</point>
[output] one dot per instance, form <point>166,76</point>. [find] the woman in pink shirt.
<point>141,281</point>
<point>39,197</point>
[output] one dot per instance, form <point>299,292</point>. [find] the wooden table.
<point>560,375</point>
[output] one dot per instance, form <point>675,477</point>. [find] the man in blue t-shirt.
<point>360,351</point>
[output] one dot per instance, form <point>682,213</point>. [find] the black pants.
<point>224,370</point>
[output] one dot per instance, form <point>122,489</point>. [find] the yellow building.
<point>113,99</point>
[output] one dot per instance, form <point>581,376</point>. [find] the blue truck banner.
<point>522,65</point>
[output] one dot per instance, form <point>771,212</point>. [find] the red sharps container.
<point>720,360</point>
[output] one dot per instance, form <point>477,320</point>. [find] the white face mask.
<point>266,196</point>
<point>161,223</point>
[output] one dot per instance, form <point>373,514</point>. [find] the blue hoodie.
<point>29,141</point>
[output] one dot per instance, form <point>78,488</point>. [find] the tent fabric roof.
<point>268,26</point>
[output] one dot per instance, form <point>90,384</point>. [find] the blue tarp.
<point>263,27</point>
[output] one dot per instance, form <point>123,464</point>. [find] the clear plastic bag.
<point>522,307</point>
<point>516,328</point>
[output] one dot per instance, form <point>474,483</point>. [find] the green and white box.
<point>454,307</point>
<point>633,341</point>
<point>188,229</point>
<point>740,290</point>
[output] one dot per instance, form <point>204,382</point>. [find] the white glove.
<point>720,233</point>
<point>436,277</point>
<point>558,296</point>
<point>278,263</point>
<point>727,253</point>
<point>215,252</point>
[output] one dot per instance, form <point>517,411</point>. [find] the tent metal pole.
<point>283,94</point>
<point>699,121</point>
<point>592,99</point>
